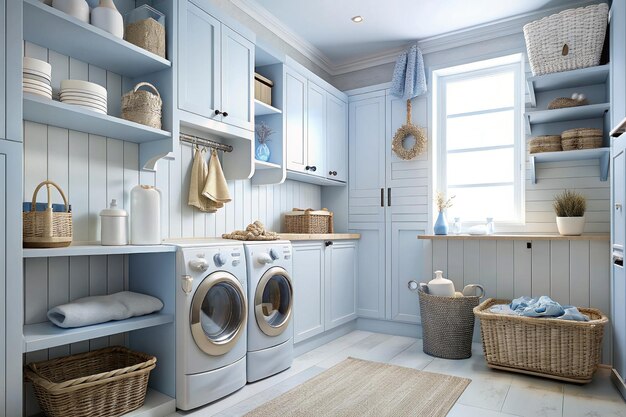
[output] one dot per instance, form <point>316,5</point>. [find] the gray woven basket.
<point>447,325</point>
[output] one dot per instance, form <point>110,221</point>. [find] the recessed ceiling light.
<point>357,19</point>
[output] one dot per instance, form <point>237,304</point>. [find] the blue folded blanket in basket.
<point>543,306</point>
<point>56,208</point>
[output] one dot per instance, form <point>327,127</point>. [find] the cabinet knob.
<point>335,173</point>
<point>618,206</point>
<point>330,172</point>
<point>225,114</point>
<point>313,168</point>
<point>307,167</point>
<point>328,243</point>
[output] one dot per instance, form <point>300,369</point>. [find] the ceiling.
<point>387,25</point>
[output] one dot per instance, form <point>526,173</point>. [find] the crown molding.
<point>449,40</point>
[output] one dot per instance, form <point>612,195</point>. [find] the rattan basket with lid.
<point>546,143</point>
<point>581,138</point>
<point>309,221</point>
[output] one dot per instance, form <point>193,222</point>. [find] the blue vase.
<point>441,225</point>
<point>262,152</point>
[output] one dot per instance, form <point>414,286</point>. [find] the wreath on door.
<point>405,131</point>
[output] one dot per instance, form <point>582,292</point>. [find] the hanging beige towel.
<point>216,188</point>
<point>199,172</point>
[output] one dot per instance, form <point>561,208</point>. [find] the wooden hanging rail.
<point>195,140</point>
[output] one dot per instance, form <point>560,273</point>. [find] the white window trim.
<point>440,77</point>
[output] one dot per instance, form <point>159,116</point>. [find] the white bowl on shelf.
<point>35,73</point>
<point>35,77</point>
<point>82,93</point>
<point>37,92</point>
<point>85,102</point>
<point>88,107</point>
<point>83,86</point>
<point>77,8</point>
<point>36,83</point>
<point>37,65</point>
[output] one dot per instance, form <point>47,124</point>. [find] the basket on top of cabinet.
<point>309,221</point>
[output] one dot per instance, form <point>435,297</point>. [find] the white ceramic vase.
<point>77,8</point>
<point>570,226</point>
<point>145,215</point>
<point>107,18</point>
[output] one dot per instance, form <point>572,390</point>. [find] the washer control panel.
<point>214,258</point>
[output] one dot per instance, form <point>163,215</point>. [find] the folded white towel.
<point>102,308</point>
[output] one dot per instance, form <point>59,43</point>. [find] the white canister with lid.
<point>145,215</point>
<point>113,226</point>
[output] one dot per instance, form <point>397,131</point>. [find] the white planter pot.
<point>570,226</point>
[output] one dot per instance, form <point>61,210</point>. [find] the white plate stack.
<point>36,77</point>
<point>83,93</point>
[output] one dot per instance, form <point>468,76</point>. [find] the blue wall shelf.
<point>578,155</point>
<point>591,111</point>
<point>566,79</point>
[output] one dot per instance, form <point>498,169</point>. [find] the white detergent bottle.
<point>441,286</point>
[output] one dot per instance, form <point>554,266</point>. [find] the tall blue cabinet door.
<point>618,285</point>
<point>618,61</point>
<point>199,67</point>
<point>237,62</point>
<point>11,285</point>
<point>3,68</point>
<point>294,113</point>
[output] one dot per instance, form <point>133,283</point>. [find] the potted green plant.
<point>570,207</point>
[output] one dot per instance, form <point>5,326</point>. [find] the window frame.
<point>441,78</point>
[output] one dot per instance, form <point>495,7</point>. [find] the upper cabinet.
<point>215,75</point>
<point>316,119</point>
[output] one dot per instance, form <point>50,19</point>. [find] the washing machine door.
<point>273,301</point>
<point>218,315</point>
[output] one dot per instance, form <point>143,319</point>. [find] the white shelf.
<point>63,33</point>
<point>95,249</point>
<point>50,112</point>
<point>567,79</point>
<point>156,405</point>
<point>265,165</point>
<point>47,335</point>
<point>602,154</point>
<point>591,111</point>
<point>262,109</point>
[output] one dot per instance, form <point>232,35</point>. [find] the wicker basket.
<point>564,102</point>
<point>547,143</point>
<point>559,349</point>
<point>309,221</point>
<point>581,138</point>
<point>142,106</point>
<point>447,325</point>
<point>105,382</point>
<point>567,40</point>
<point>47,229</point>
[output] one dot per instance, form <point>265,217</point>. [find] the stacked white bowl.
<point>83,93</point>
<point>36,77</point>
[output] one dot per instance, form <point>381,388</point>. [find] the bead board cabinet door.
<point>237,83</point>
<point>336,138</point>
<point>308,292</point>
<point>618,285</point>
<point>407,263</point>
<point>295,117</point>
<point>340,283</point>
<point>199,59</point>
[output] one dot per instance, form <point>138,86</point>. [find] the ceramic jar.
<point>113,226</point>
<point>145,215</point>
<point>77,8</point>
<point>441,286</point>
<point>107,18</point>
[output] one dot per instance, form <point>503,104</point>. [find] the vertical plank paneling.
<point>36,286</point>
<point>58,159</point>
<point>176,195</point>
<point>540,268</point>
<point>79,184</point>
<point>115,171</point>
<point>600,289</point>
<point>504,268</point>
<point>97,182</point>
<point>522,269</point>
<point>488,267</point>
<point>455,263</point>
<point>35,157</point>
<point>97,275</point>
<point>560,271</point>
<point>131,171</point>
<point>471,266</point>
<point>440,256</point>
<point>579,273</point>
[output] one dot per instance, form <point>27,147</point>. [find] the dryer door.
<point>273,301</point>
<point>218,315</point>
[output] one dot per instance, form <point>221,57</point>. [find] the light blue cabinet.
<point>295,120</point>
<point>315,139</point>
<point>324,275</point>
<point>618,61</point>
<point>336,138</point>
<point>216,70</point>
<point>340,283</point>
<point>3,72</point>
<point>308,292</point>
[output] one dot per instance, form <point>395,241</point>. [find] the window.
<point>478,126</point>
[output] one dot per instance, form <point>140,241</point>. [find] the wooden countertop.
<point>586,236</point>
<point>321,236</point>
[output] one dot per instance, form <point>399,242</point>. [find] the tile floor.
<point>491,393</point>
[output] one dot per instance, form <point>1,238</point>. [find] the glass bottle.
<point>491,226</point>
<point>456,226</point>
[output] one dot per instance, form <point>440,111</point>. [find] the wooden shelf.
<point>265,165</point>
<point>47,335</point>
<point>591,111</point>
<point>42,110</point>
<point>603,154</point>
<point>262,109</point>
<point>567,79</point>
<point>95,249</point>
<point>86,42</point>
<point>156,404</point>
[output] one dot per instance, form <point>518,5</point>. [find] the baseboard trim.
<point>619,383</point>
<point>389,327</point>
<point>323,338</point>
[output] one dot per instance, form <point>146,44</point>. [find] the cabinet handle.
<point>328,243</point>
<point>389,196</point>
<point>217,112</point>
<point>307,167</point>
<point>225,114</point>
<point>335,173</point>
<point>382,197</point>
<point>313,168</point>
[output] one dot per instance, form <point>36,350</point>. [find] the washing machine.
<point>211,320</point>
<point>270,312</point>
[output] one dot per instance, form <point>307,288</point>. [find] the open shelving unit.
<point>262,109</point>
<point>566,79</point>
<point>265,165</point>
<point>601,154</point>
<point>95,249</point>
<point>591,111</point>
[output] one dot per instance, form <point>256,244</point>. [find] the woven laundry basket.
<point>581,138</point>
<point>143,107</point>
<point>546,143</point>
<point>309,221</point>
<point>105,382</point>
<point>567,40</point>
<point>447,325</point>
<point>47,229</point>
<point>560,349</point>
